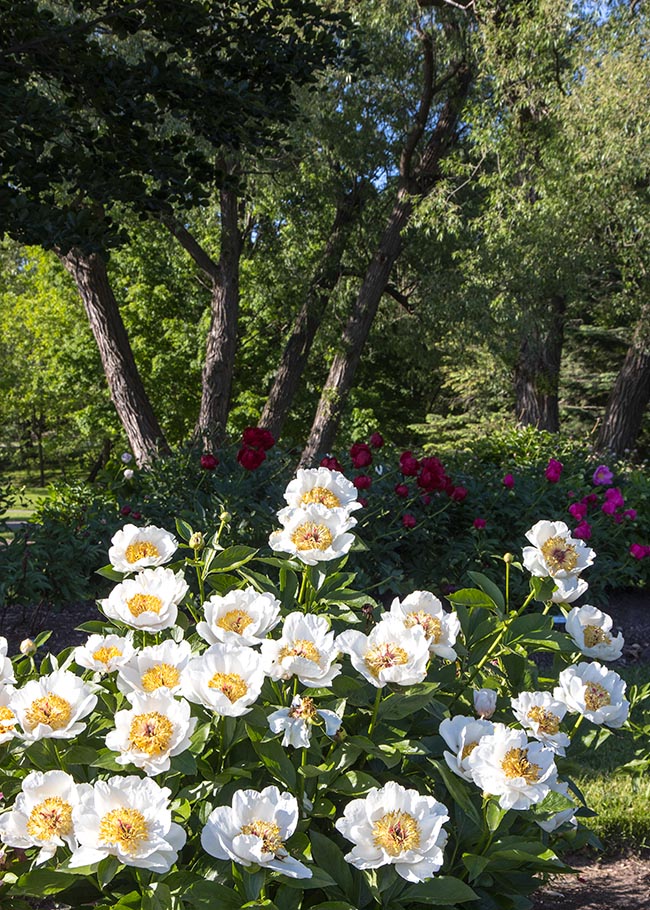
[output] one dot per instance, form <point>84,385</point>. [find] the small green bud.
<point>225,517</point>
<point>508,558</point>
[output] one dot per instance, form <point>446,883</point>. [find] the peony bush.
<point>245,728</point>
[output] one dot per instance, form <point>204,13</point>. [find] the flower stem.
<point>375,711</point>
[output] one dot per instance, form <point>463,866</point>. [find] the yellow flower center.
<point>558,555</point>
<point>7,718</point>
<point>141,549</point>
<point>594,635</point>
<point>383,656</point>
<point>51,709</point>
<point>235,621</point>
<point>431,624</point>
<point>516,764</point>
<point>125,827</point>
<point>310,536</point>
<point>596,696</point>
<point>158,676</point>
<point>321,495</point>
<point>231,684</point>
<point>144,603</point>
<point>305,710</point>
<point>268,833</point>
<point>151,733</point>
<point>301,647</point>
<point>396,832</point>
<point>105,655</point>
<point>49,819</point>
<point>546,721</point>
<point>468,748</point>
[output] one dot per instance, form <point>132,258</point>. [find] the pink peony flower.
<point>360,454</point>
<point>479,523</point>
<point>408,520</point>
<point>582,531</point>
<point>508,481</point>
<point>401,490</point>
<point>602,476</point>
<point>553,470</point>
<point>376,440</point>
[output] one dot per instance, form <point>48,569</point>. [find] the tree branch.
<point>193,247</point>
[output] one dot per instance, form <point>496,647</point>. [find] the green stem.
<point>199,576</point>
<point>508,585</point>
<point>301,783</point>
<point>303,590</point>
<point>375,711</point>
<point>579,720</point>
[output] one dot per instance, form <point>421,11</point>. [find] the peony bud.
<point>27,647</point>
<point>225,517</point>
<point>485,702</point>
<point>196,540</point>
<point>128,474</point>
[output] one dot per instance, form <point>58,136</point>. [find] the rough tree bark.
<point>221,343</point>
<point>537,372</point>
<point>415,182</point>
<point>296,352</point>
<point>127,390</point>
<point>630,394</point>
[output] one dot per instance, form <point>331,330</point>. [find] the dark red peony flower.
<point>331,463</point>
<point>479,523</point>
<point>362,482</point>
<point>364,502</point>
<point>458,494</point>
<point>408,464</point>
<point>250,458</point>
<point>401,490</point>
<point>360,454</point>
<point>258,438</point>
<point>136,515</point>
<point>376,440</point>
<point>209,461</point>
<point>126,510</point>
<point>408,520</point>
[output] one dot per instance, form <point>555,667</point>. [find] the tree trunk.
<point>414,184</point>
<point>537,373</point>
<point>630,395</point>
<point>127,390</point>
<point>297,349</point>
<point>221,342</point>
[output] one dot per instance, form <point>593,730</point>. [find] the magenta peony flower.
<point>553,470</point>
<point>602,476</point>
<point>578,510</point>
<point>582,531</point>
<point>508,481</point>
<point>479,523</point>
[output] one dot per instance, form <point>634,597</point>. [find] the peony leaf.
<point>443,891</point>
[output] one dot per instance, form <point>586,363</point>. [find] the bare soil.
<point>599,883</point>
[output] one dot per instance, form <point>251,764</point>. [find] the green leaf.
<point>183,530</point>
<point>443,891</point>
<point>43,882</point>
<point>329,857</point>
<point>110,573</point>
<point>472,597</point>
<point>494,815</point>
<point>458,790</point>
<point>208,895</point>
<point>542,588</point>
<point>232,558</point>
<point>475,865</point>
<point>412,700</point>
<point>488,586</point>
<point>354,783</point>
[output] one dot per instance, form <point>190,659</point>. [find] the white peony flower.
<point>8,719</point>
<point>306,650</point>
<point>296,722</point>
<point>42,814</point>
<point>6,667</point>
<point>128,474</point>
<point>390,654</point>
<point>52,706</point>
<point>396,826</point>
<point>507,765</point>
<point>242,617</point>
<point>595,692</point>
<point>155,668</point>
<point>226,679</point>
<point>421,608</point>
<point>130,818</point>
<point>568,589</point>
<point>314,534</point>
<point>104,653</point>
<point>554,552</point>
<point>133,548</point>
<point>253,831</point>
<point>320,486</point>
<point>462,735</point>
<point>485,702</point>
<point>156,728</point>
<point>591,631</point>
<point>149,601</point>
<point>542,714</point>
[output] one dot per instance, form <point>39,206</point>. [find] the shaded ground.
<point>610,883</point>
